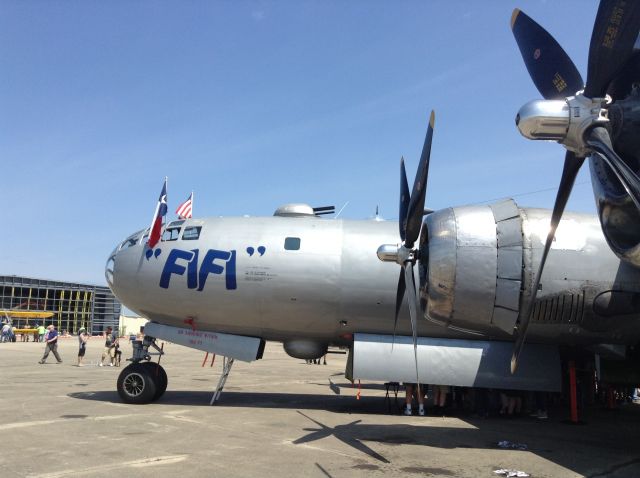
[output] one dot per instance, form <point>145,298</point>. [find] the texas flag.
<point>161,212</point>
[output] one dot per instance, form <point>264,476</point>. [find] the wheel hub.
<point>133,384</point>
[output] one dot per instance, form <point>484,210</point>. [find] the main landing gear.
<point>142,381</point>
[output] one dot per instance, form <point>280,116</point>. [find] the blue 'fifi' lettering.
<point>192,271</point>
<point>172,267</point>
<point>208,266</point>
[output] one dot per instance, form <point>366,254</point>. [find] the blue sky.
<point>255,104</point>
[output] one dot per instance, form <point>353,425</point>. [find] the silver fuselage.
<point>283,278</point>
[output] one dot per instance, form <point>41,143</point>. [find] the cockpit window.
<point>191,233</point>
<point>130,241</point>
<point>292,243</point>
<point>171,234</point>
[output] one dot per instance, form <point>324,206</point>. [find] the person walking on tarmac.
<point>41,333</point>
<point>111,341</point>
<point>82,345</point>
<point>51,345</point>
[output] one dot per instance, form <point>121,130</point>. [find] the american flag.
<point>158,216</point>
<point>184,210</point>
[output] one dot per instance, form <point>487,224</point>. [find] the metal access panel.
<point>237,347</point>
<point>465,363</point>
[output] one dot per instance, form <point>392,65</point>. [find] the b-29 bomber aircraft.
<point>477,279</point>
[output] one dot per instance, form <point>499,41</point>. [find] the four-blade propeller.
<point>411,211</point>
<point>612,45</point>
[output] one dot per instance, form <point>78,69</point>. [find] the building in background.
<point>73,305</point>
<point>131,325</point>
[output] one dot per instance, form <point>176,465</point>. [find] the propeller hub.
<point>397,253</point>
<point>388,252</point>
<point>544,120</point>
<point>565,121</point>
<point>585,114</point>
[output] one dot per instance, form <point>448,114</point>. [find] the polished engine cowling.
<point>477,265</point>
<point>471,266</point>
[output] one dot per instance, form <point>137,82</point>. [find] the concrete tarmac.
<point>277,417</point>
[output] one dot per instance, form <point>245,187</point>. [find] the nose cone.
<point>109,268</point>
<point>136,239</point>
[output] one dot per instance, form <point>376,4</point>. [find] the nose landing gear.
<point>142,381</point>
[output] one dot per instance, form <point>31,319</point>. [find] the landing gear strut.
<point>227,362</point>
<point>142,381</point>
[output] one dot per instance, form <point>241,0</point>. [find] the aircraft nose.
<point>134,239</point>
<point>108,269</point>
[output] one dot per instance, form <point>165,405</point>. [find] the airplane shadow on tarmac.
<point>353,434</point>
<point>611,438</point>
<point>249,399</point>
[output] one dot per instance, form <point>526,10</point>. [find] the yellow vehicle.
<point>25,314</point>
<point>22,317</point>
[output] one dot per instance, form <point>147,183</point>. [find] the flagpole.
<point>166,195</point>
<point>153,219</point>
<point>192,203</point>
<point>155,213</point>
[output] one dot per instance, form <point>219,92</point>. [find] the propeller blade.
<point>413,310</point>
<point>612,43</point>
<point>549,66</point>
<point>399,297</point>
<point>572,165</point>
<point>404,201</point>
<point>600,141</point>
<point>416,205</point>
<point>621,84</point>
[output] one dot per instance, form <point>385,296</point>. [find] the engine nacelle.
<point>471,268</point>
<point>478,263</point>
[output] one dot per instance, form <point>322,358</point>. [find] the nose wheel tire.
<point>137,384</point>
<point>159,376</point>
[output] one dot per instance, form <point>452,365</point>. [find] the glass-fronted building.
<point>73,305</point>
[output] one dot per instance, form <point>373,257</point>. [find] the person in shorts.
<point>420,392</point>
<point>82,345</point>
<point>110,344</point>
<point>440,398</point>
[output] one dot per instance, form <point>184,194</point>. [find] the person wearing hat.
<point>82,343</point>
<point>51,344</point>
